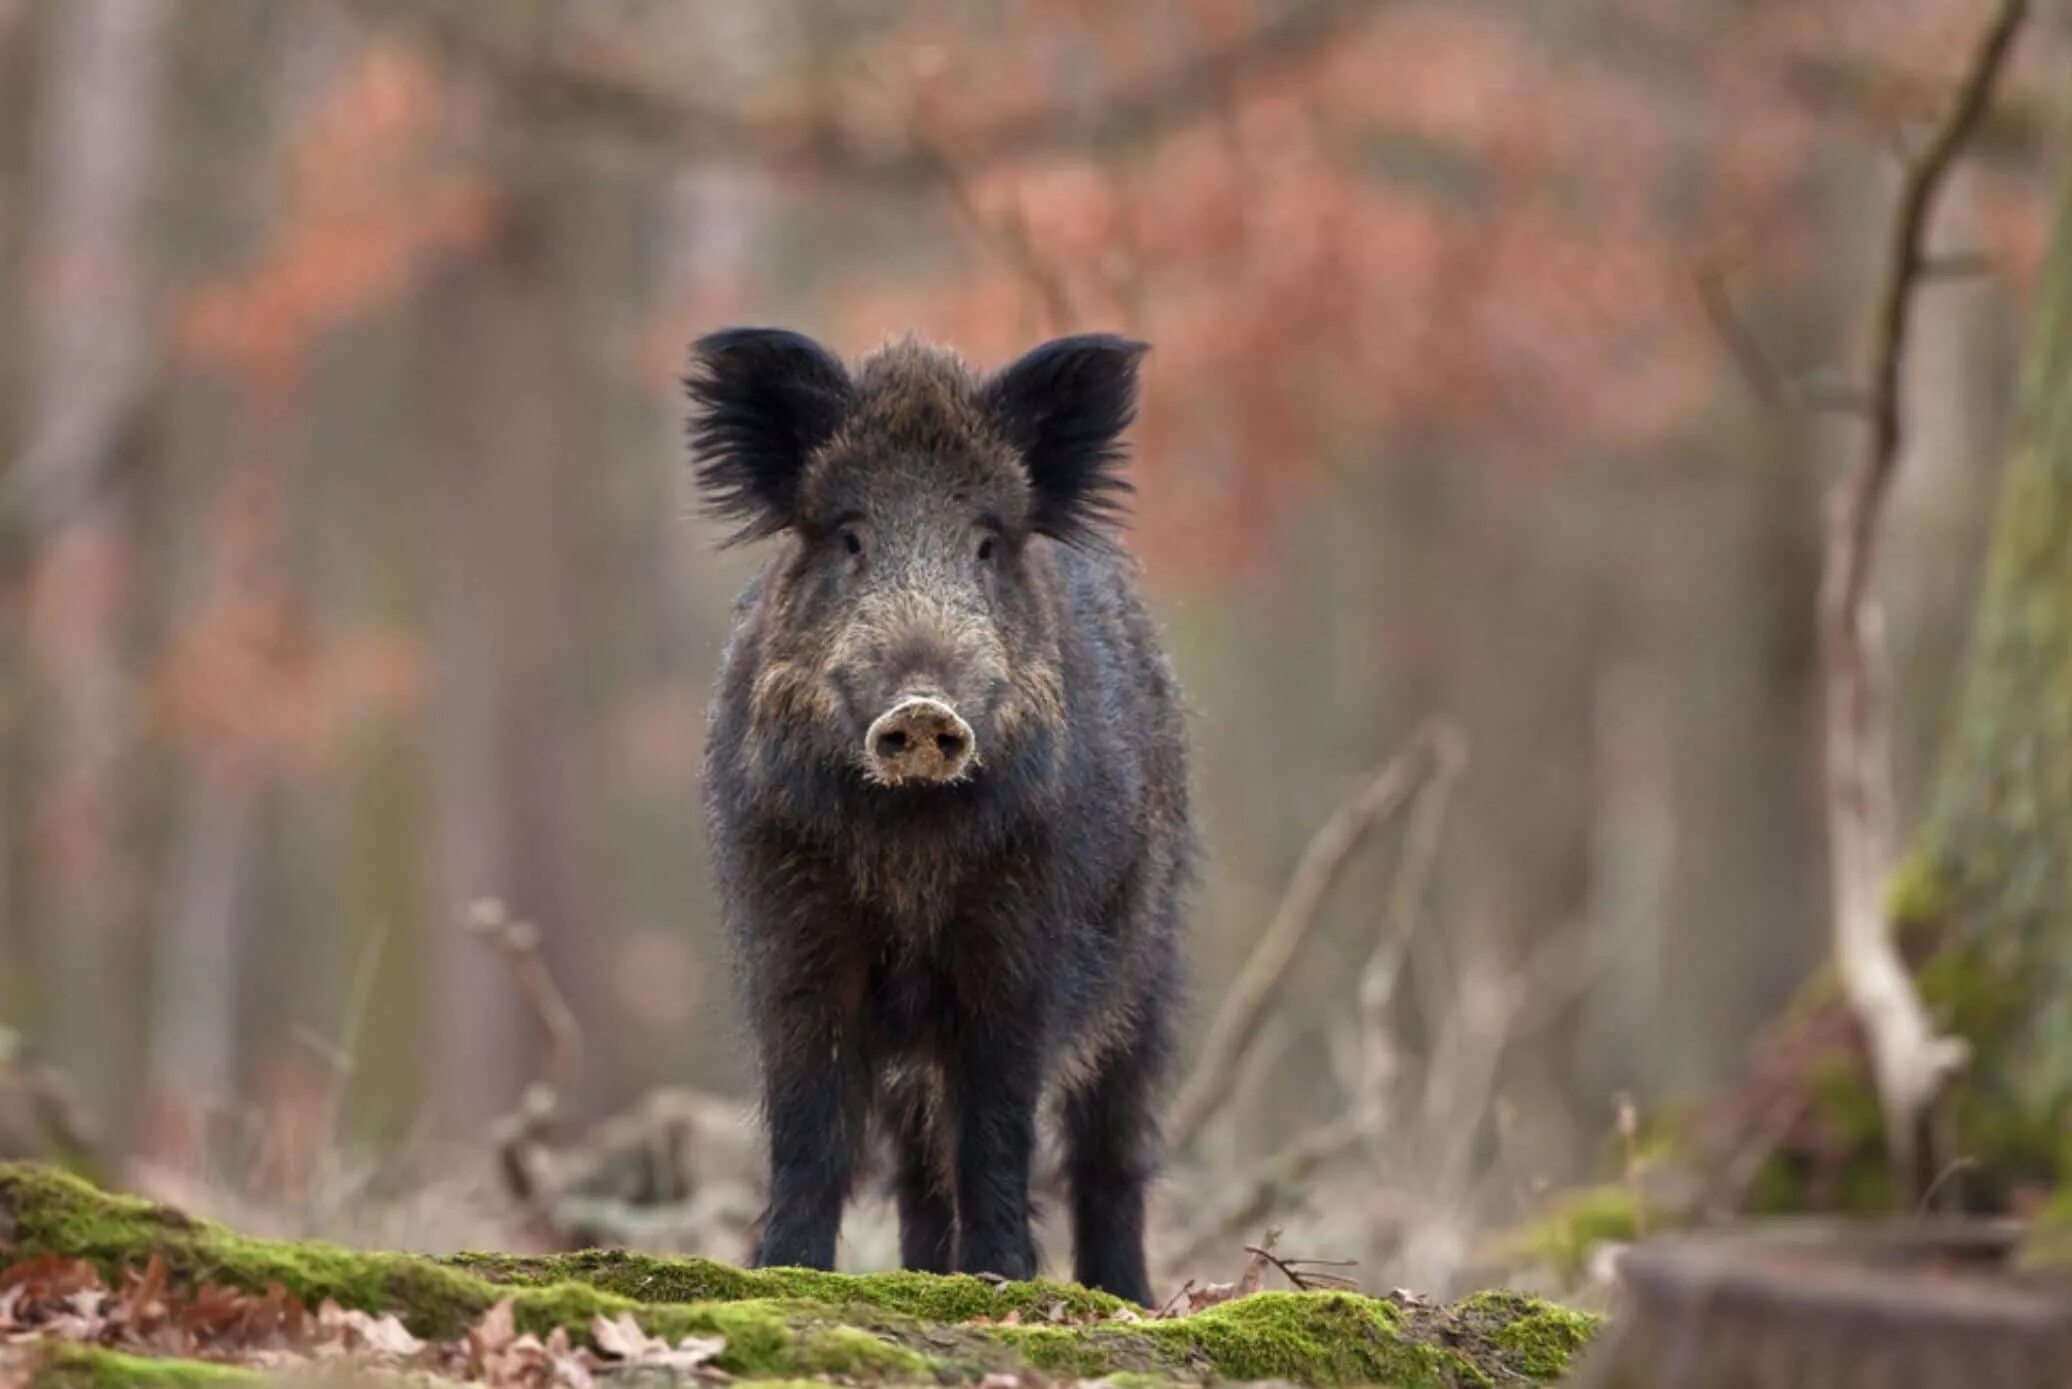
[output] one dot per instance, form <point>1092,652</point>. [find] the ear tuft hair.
<point>1065,405</point>
<point>762,400</point>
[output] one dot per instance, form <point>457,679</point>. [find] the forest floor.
<point>102,1291</point>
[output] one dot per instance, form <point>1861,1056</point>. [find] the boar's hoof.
<point>918,739</point>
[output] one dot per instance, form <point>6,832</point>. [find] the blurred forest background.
<point>348,574</point>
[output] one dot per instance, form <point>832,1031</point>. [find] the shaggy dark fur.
<point>945,956</point>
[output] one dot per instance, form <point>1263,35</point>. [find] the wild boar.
<point>947,783</point>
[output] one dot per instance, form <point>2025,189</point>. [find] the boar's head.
<point>909,631</point>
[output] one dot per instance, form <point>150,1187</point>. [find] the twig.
<point>1407,896</point>
<point>1748,352</point>
<point>1910,1061</point>
<point>1629,1144</point>
<point>1303,1273</point>
<point>53,1108</point>
<point>1954,265</point>
<point>1172,1303</point>
<point>1267,1189</point>
<point>1811,392</point>
<point>1008,236</point>
<point>658,115</point>
<point>1238,1020</point>
<point>39,498</point>
<point>341,1056</point>
<point>1254,1276</point>
<point>515,1134</point>
<point>520,943</point>
<point>1950,1169</point>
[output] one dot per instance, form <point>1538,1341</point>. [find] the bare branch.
<point>520,943</point>
<point>67,471</point>
<point>1237,1022</point>
<point>678,126</point>
<point>1307,1275</point>
<point>1254,1276</point>
<point>1909,1059</point>
<point>1954,265</point>
<point>518,1134</point>
<point>1810,392</point>
<point>1270,1188</point>
<point>1749,354</point>
<point>1009,236</point>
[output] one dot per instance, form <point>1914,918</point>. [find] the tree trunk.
<point>1992,866</point>
<point>98,121</point>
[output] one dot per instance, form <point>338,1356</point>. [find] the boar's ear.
<point>762,399</point>
<point>1065,405</point>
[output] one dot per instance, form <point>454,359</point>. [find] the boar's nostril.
<point>918,739</point>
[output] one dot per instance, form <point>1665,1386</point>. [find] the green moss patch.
<point>644,1278</point>
<point>796,1324</point>
<point>67,1365</point>
<point>1575,1223</point>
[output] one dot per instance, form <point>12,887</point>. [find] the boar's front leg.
<point>816,1098</point>
<point>997,1081</point>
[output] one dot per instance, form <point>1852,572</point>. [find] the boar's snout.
<point>919,739</point>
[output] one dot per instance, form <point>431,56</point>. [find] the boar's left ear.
<point>1065,405</point>
<point>762,400</point>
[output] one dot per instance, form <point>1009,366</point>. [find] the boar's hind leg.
<point>1111,1142</point>
<point>927,1217</point>
<point>816,1098</point>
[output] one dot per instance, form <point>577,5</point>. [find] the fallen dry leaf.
<point>622,1337</point>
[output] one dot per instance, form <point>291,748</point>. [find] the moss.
<point>787,1324</point>
<point>1540,1337</point>
<point>2000,809</point>
<point>1920,898</point>
<point>1316,1338</point>
<point>649,1279</point>
<point>1577,1222</point>
<point>69,1365</point>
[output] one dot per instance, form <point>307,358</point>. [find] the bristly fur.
<point>938,963</point>
<point>1065,406</point>
<point>763,400</point>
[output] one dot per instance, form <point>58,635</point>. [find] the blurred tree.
<point>1991,867</point>
<point>98,125</point>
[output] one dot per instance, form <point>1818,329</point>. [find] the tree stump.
<point>1931,1304</point>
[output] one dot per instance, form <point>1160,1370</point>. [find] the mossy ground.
<point>787,1323</point>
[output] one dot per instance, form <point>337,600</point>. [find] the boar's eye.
<point>985,548</point>
<point>851,541</point>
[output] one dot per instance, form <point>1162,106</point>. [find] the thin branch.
<point>1008,236</point>
<point>1237,1023</point>
<point>1269,1188</point>
<point>1749,354</point>
<point>48,486</point>
<point>1951,1169</point>
<point>1254,1276</point>
<point>518,1133</point>
<point>520,943</point>
<point>1909,1059</point>
<point>665,120</point>
<point>1171,1305</point>
<point>1954,265</point>
<point>52,1107</point>
<point>1305,1274</point>
<point>1810,392</point>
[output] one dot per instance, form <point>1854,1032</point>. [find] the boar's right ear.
<point>762,400</point>
<point>1065,405</point>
